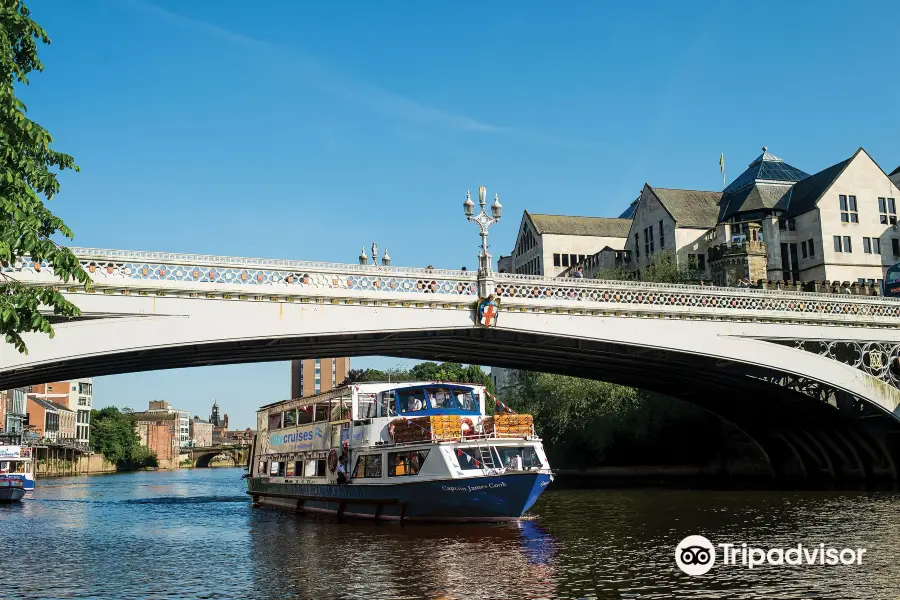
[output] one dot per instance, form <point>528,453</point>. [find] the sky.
<point>306,130</point>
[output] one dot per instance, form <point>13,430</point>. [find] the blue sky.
<point>305,130</point>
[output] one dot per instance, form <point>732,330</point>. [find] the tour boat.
<point>16,472</point>
<point>427,451</point>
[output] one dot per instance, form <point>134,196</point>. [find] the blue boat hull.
<point>485,498</point>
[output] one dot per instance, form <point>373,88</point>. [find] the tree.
<point>663,268</point>
<point>113,435</point>
<point>28,177</point>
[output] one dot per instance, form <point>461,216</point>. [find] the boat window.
<point>322,409</point>
<point>262,468</point>
<point>516,458</point>
<point>305,415</point>
<point>387,408</point>
<point>440,398</point>
<point>320,467</point>
<point>365,406</point>
<point>468,458</point>
<point>368,465</point>
<point>290,418</point>
<point>401,464</point>
<point>340,409</point>
<point>466,400</point>
<point>411,401</point>
<point>276,469</point>
<point>309,468</point>
<point>291,469</point>
<point>274,421</point>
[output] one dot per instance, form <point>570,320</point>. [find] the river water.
<point>193,534</point>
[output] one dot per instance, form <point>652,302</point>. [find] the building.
<point>316,375</point>
<point>183,433</point>
<point>13,410</point>
<point>52,422</point>
<point>776,222</point>
<point>895,176</point>
<point>549,244</point>
<point>671,220</point>
<point>201,432</point>
<point>157,431</point>
<point>76,395</point>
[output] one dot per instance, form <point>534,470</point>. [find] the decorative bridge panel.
<point>303,275</point>
<point>881,360</point>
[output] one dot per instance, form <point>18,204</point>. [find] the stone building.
<point>201,433</point>
<point>549,244</point>
<point>156,432</point>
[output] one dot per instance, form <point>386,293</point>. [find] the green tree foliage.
<point>590,423</point>
<point>663,268</point>
<point>426,371</point>
<point>114,436</point>
<point>28,177</point>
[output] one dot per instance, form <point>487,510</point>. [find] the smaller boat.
<point>11,489</point>
<point>16,472</point>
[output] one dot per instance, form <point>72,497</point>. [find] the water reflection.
<point>193,534</point>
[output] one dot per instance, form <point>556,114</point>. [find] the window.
<point>304,415</point>
<point>861,281</point>
<point>701,262</point>
<point>888,211</point>
<point>847,246</point>
<point>637,246</point>
<point>867,246</point>
<point>556,260</point>
<point>573,259</point>
<point>565,260</point>
<point>440,398</point>
<point>386,409</point>
<point>291,469</point>
<point>837,244</point>
<point>895,246</point>
<point>466,400</point>
<point>403,464</point>
<point>871,245</point>
<point>411,400</point>
<point>276,469</point>
<point>662,236</point>
<point>648,241</point>
<point>367,465</point>
<point>876,246</point>
<point>812,248</point>
<point>803,249</point>
<point>290,418</point>
<point>527,457</point>
<point>848,209</point>
<point>322,409</point>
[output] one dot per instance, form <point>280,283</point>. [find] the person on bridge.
<point>579,273</point>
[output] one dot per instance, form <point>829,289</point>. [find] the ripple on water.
<point>192,534</point>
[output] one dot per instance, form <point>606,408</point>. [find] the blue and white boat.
<point>425,451</point>
<point>16,472</point>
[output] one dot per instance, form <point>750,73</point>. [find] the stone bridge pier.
<point>202,457</point>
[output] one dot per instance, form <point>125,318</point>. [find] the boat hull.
<point>477,499</point>
<point>11,494</point>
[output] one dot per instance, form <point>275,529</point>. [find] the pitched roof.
<point>894,172</point>
<point>768,168</point>
<point>566,225</point>
<point>806,193</point>
<point>759,196</point>
<point>690,208</point>
<point>628,213</point>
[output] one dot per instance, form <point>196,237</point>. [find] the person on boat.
<point>342,470</point>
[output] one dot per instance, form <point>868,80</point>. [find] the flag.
<point>722,162</point>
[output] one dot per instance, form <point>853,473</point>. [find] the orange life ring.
<point>332,460</point>
<point>468,427</point>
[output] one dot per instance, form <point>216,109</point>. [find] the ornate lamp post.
<point>364,259</point>
<point>485,282</point>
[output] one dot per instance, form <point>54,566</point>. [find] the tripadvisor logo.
<point>696,555</point>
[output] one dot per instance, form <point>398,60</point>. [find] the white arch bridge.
<point>811,378</point>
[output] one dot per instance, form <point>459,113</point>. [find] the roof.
<point>894,172</point>
<point>806,193</point>
<point>628,213</point>
<point>768,168</point>
<point>593,226</point>
<point>43,403</point>
<point>155,416</point>
<point>759,196</point>
<point>690,208</point>
<point>199,421</point>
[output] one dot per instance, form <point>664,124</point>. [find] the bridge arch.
<point>737,353</point>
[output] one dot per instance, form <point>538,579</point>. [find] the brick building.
<point>51,422</point>
<point>316,375</point>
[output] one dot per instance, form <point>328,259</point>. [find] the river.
<point>193,534</point>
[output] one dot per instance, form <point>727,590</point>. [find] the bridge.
<point>812,379</point>
<point>201,457</point>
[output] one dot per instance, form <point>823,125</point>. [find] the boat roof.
<point>365,387</point>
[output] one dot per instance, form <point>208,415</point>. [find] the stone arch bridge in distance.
<point>812,379</point>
